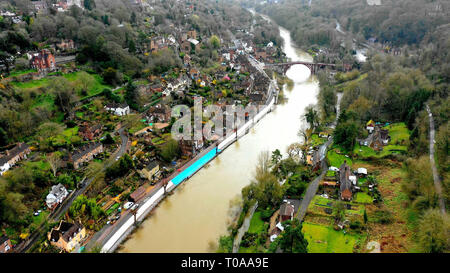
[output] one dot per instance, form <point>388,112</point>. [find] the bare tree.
<point>54,160</point>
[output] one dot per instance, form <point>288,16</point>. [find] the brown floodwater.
<point>198,212</point>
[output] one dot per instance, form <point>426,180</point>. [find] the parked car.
<point>135,206</point>
<point>128,205</point>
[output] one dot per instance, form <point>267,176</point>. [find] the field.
<point>362,197</point>
<point>336,159</point>
<point>46,100</point>
<point>256,224</point>
<point>399,133</point>
<point>322,239</point>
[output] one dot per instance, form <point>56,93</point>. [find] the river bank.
<point>198,212</point>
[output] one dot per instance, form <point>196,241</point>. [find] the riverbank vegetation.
<point>406,69</point>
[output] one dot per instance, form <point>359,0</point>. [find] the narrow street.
<point>63,208</point>
<point>436,178</point>
<point>314,185</point>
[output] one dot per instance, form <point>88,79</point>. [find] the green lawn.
<point>21,72</point>
<point>316,140</point>
<point>336,159</point>
<point>365,152</point>
<point>362,197</point>
<point>256,223</point>
<point>323,239</point>
<point>69,135</point>
<point>95,89</point>
<point>398,132</point>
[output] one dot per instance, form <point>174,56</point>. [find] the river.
<point>193,218</point>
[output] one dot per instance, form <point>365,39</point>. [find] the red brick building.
<point>43,61</point>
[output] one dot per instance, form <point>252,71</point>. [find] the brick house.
<point>345,182</point>
<point>65,45</point>
<point>86,154</point>
<point>286,212</point>
<point>190,147</point>
<point>138,193</point>
<point>159,113</point>
<point>67,236</point>
<point>192,34</point>
<point>14,155</point>
<point>185,46</point>
<point>90,132</point>
<point>5,244</point>
<point>43,61</point>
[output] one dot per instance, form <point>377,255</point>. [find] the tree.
<point>345,135</point>
<point>64,94</point>
<point>170,150</point>
<point>292,239</point>
<point>312,117</point>
<point>276,157</point>
<point>111,76</point>
<point>339,211</point>
<point>295,151</point>
<point>132,95</point>
<point>47,131</point>
<point>85,82</point>
<point>214,41</point>
<point>89,4</point>
<point>434,232</point>
<point>54,160</point>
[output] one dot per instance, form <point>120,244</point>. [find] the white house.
<point>362,171</point>
<point>4,165</point>
<point>56,196</point>
<point>121,109</point>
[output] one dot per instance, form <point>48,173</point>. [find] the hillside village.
<point>111,144</point>
<point>87,90</point>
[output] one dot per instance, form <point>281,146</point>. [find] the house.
<point>44,60</point>
<point>379,138</point>
<point>151,171</point>
<point>192,34</point>
<point>370,126</point>
<point>5,244</point>
<point>193,73</point>
<point>40,7</point>
<point>86,154</point>
<point>185,46</point>
<point>119,109</point>
<point>257,98</point>
<point>194,43</point>
<point>157,44</point>
<point>261,56</point>
<point>159,113</point>
<point>90,132</point>
<point>67,236</point>
<point>345,182</point>
<point>362,172</point>
<point>186,59</point>
<point>14,155</point>
<point>65,45</point>
<point>56,196</point>
<point>190,147</point>
<point>286,212</point>
<point>138,193</point>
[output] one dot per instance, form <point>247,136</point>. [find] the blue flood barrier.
<point>194,167</point>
